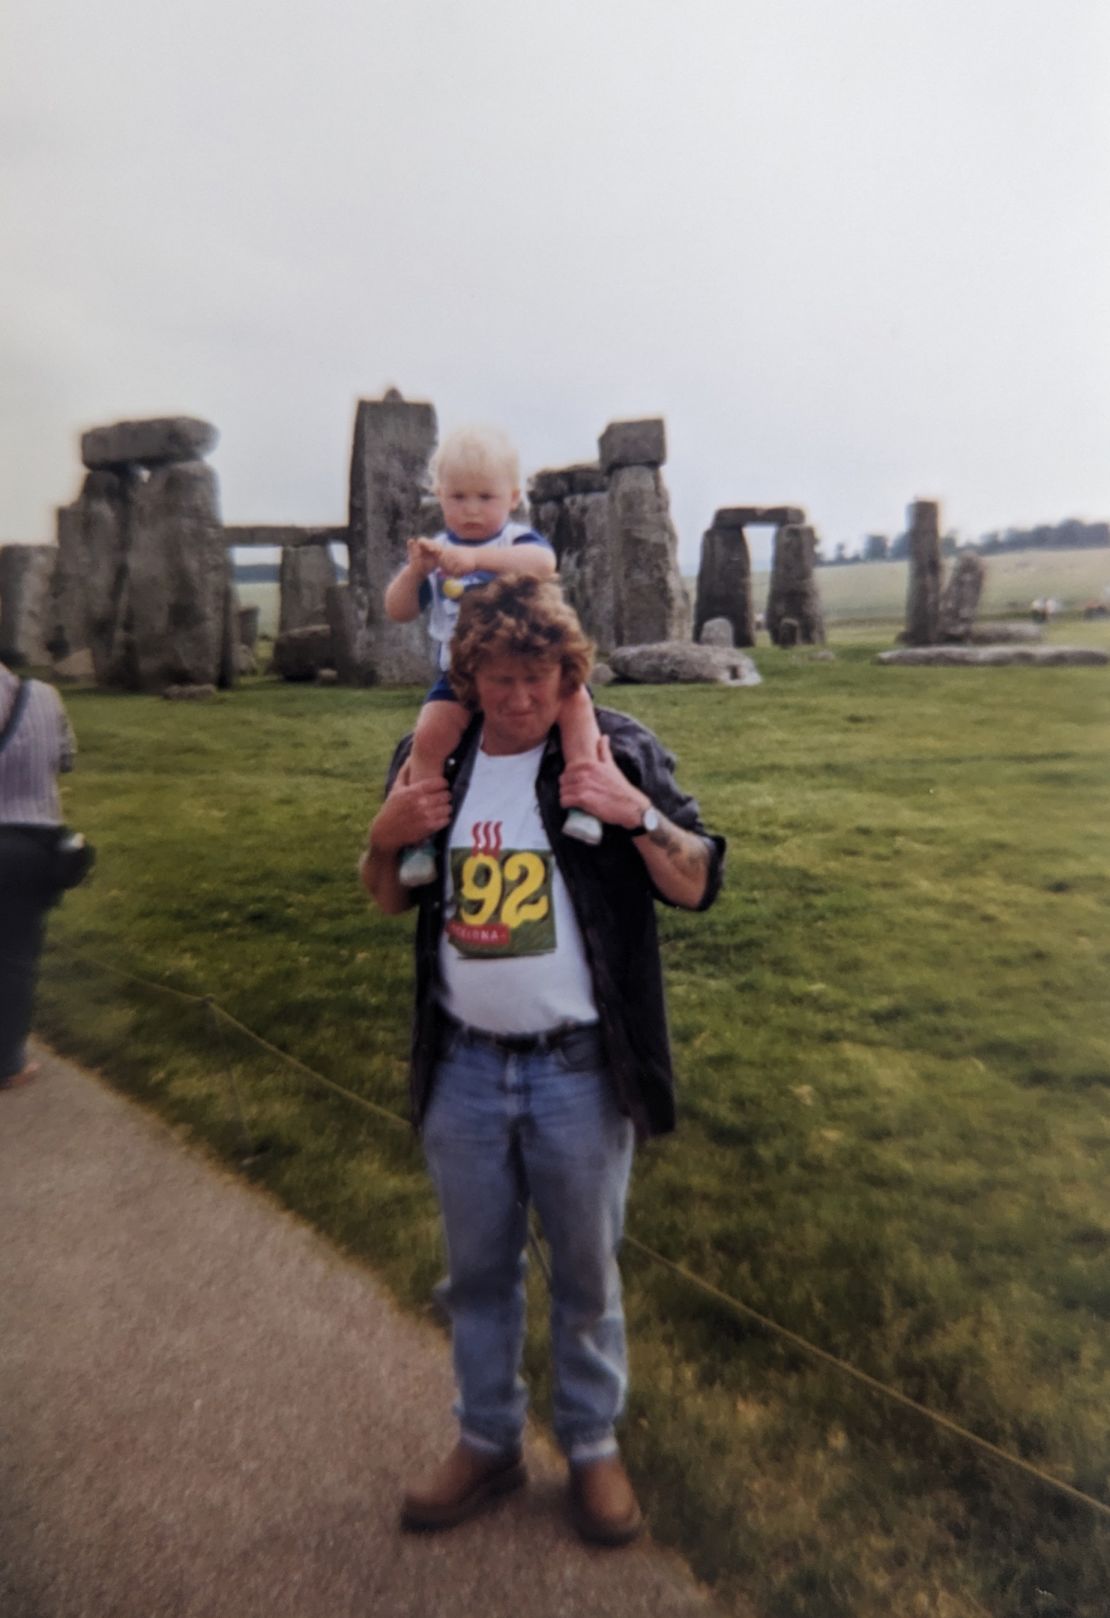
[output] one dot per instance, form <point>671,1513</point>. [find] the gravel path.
<point>205,1412</point>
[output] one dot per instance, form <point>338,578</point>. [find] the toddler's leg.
<point>580,735</point>
<point>438,732</point>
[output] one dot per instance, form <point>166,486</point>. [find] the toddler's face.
<point>476,505</point>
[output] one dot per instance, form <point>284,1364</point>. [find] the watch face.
<point>650,819</point>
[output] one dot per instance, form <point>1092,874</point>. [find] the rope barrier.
<point>745,1311</point>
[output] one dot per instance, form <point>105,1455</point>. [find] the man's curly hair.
<point>518,616</point>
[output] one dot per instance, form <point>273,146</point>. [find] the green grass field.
<point>894,1050</point>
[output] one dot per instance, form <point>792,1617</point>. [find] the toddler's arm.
<point>459,560</point>
<point>402,594</point>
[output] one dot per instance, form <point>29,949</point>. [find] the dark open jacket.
<point>613,898</point>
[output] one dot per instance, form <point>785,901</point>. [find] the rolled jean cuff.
<point>599,1450</point>
<point>485,1446</point>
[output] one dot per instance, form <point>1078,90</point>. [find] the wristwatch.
<point>649,822</point>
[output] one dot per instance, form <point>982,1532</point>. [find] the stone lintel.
<point>148,443</point>
<point>633,443</point>
<point>281,535</point>
<point>559,483</point>
<point>770,516</point>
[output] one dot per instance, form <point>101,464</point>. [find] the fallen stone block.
<point>189,693</point>
<point>300,654</point>
<point>993,656</point>
<point>148,443</point>
<point>682,662</point>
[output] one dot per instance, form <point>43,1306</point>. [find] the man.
<point>539,1042</point>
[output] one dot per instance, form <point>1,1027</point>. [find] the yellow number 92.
<point>484,884</point>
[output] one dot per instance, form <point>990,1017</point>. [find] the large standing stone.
<point>68,629</point>
<point>393,443</point>
<point>105,509</point>
<point>25,575</point>
<point>307,574</point>
<point>179,613</point>
<point>923,590</point>
<point>147,443</point>
<point>959,602</point>
<point>793,603</point>
<point>650,599</point>
<point>725,583</point>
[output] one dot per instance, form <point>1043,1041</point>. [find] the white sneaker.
<point>583,827</point>
<point>418,866</point>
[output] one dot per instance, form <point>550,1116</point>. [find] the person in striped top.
<point>38,745</point>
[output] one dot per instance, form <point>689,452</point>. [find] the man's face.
<point>476,505</point>
<point>519,698</point>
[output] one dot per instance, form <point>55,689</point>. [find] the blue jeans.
<point>503,1129</point>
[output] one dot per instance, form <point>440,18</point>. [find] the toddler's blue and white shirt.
<point>445,611</point>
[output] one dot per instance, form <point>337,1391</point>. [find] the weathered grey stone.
<point>558,483</point>
<point>307,574</point>
<point>717,632</point>
<point>299,654</point>
<point>327,677</point>
<point>578,527</point>
<point>793,603</point>
<point>1001,632</point>
<point>247,626</point>
<point>601,674</point>
<point>959,602</point>
<point>189,693</point>
<point>26,572</point>
<point>77,666</point>
<point>101,576</point>
<point>671,662</point>
<point>650,599</point>
<point>755,516</point>
<point>393,443</point>
<point>725,584</point>
<point>344,631</point>
<point>176,617</point>
<point>147,443</point>
<point>923,589</point>
<point>246,662</point>
<point>632,443</point>
<point>994,656</point>
<point>67,631</point>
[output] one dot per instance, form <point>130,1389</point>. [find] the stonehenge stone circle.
<point>793,604</point>
<point>25,578</point>
<point>650,599</point>
<point>923,590</point>
<point>148,443</point>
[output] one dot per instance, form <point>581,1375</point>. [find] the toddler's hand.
<point>456,561</point>
<point>424,555</point>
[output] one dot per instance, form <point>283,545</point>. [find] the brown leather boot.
<point>460,1486</point>
<point>603,1504</point>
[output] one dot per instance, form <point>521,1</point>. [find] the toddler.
<point>476,475</point>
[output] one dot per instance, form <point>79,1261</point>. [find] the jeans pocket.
<point>580,1052</point>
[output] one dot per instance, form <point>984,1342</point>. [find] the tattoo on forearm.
<point>686,852</point>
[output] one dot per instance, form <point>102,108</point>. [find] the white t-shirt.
<point>511,956</point>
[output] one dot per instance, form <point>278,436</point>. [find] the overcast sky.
<point>853,251</point>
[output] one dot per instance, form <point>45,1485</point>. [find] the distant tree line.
<point>1071,534</point>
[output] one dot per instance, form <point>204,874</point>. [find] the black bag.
<point>73,857</point>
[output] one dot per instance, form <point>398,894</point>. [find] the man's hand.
<point>604,790</point>
<point>677,860</point>
<point>413,811</point>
